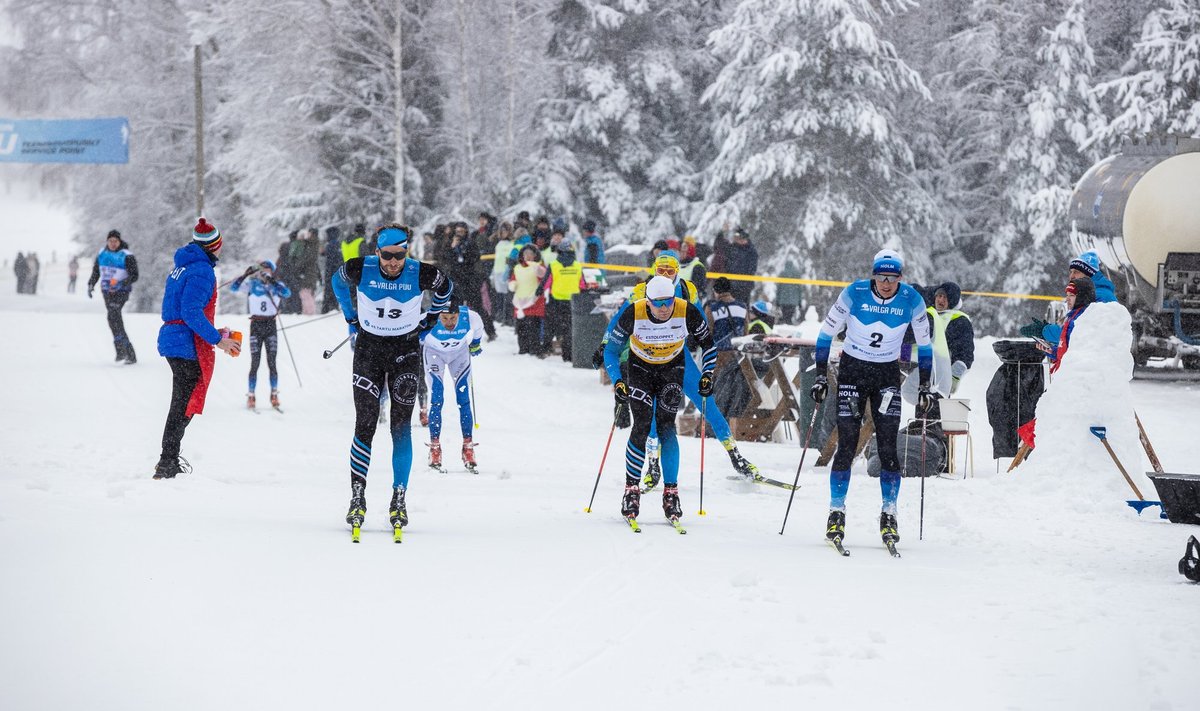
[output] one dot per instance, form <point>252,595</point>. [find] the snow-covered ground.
<point>237,586</point>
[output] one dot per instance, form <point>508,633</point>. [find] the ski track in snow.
<point>237,586</point>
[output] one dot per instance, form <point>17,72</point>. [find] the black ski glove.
<point>924,400</point>
<point>250,270</point>
<point>621,391</point>
<point>819,389</point>
<point>706,384</point>
<point>621,415</point>
<point>91,288</point>
<point>598,357</point>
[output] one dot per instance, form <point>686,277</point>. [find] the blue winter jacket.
<point>190,285</point>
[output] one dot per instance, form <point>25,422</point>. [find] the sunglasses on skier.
<point>887,278</point>
<point>663,302</point>
<point>388,255</point>
<point>666,271</point>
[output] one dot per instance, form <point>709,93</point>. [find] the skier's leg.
<point>712,414</point>
<point>368,378</point>
<point>641,407</point>
<point>848,423</point>
<point>669,400</point>
<point>886,414</point>
<point>256,345</point>
<point>272,344</point>
<point>434,367</point>
<point>404,374</point>
<point>460,370</point>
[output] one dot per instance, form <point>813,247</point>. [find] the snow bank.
<point>1091,388</point>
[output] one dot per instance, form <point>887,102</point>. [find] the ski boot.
<point>397,513</point>
<point>250,402</point>
<point>468,455</point>
<point>358,509</point>
<point>835,528</point>
<point>275,398</point>
<point>632,500</point>
<point>168,467</point>
<point>435,456</point>
<point>130,356</point>
<point>740,463</point>
<point>671,507</point>
<point>888,529</point>
<point>424,415</point>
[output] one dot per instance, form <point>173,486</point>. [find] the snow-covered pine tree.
<point>623,129</point>
<point>1158,90</point>
<point>352,107</point>
<point>809,147</point>
<point>1044,160</point>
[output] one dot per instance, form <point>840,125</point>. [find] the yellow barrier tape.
<point>790,280</point>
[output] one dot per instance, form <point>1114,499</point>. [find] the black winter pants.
<point>185,373</point>
<point>558,323</point>
<point>875,385</point>
<point>114,301</point>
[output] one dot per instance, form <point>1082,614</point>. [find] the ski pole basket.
<point>1180,495</point>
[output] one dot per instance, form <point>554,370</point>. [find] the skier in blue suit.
<point>386,313</point>
<point>875,314</point>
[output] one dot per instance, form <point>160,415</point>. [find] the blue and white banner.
<point>65,141</point>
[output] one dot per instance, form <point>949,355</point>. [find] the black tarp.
<point>1013,393</point>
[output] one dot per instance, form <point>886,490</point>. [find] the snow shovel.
<point>1101,434</point>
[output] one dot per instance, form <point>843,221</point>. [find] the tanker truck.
<point>1139,210</point>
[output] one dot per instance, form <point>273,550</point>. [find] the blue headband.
<point>392,237</point>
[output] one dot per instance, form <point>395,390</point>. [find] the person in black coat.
<point>741,258</point>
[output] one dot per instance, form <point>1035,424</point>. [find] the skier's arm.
<point>835,320</point>
<point>95,273</point>
<point>698,328</point>
<point>132,268</point>
<point>435,280</point>
<point>281,290</point>
<point>617,338</point>
<point>477,333</point>
<point>347,274</point>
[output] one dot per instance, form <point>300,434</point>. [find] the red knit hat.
<point>207,236</point>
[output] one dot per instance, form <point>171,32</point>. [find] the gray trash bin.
<point>588,324</point>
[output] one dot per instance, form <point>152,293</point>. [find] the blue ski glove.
<point>475,348</point>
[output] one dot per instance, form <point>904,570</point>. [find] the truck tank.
<point>1139,210</point>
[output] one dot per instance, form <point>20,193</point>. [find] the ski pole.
<point>1102,434</point>
<point>311,320</point>
<point>703,408</point>
<point>471,382</point>
<point>812,425</point>
<point>597,484</point>
<point>924,430</point>
<point>283,330</point>
<point>329,353</point>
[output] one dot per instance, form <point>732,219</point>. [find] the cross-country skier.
<point>263,296</point>
<point>656,329</point>
<point>875,313</point>
<point>116,270</point>
<point>187,337</point>
<point>447,351</point>
<point>667,265</point>
<point>386,315</point>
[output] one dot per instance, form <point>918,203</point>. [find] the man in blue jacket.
<point>187,337</point>
<point>116,270</point>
